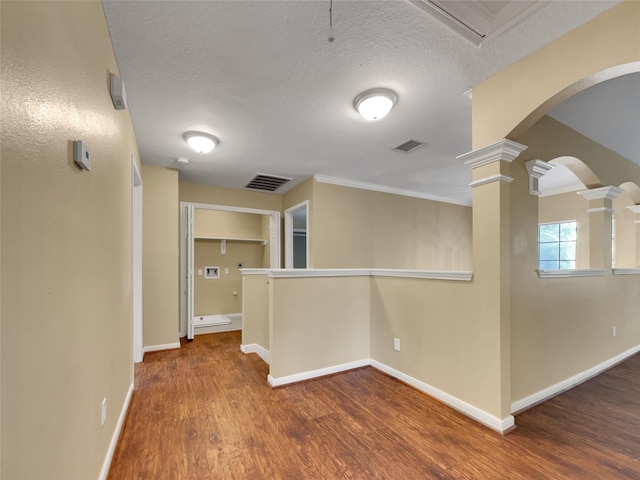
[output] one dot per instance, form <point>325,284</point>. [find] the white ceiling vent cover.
<point>408,146</point>
<point>267,183</point>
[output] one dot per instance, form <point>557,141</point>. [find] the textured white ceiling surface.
<point>263,78</point>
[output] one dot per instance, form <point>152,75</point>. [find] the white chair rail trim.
<point>598,272</point>
<point>452,275</point>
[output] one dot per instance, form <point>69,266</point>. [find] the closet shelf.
<point>261,241</point>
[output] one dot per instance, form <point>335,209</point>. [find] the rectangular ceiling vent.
<point>267,183</point>
<point>408,146</point>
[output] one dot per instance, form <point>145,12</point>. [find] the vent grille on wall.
<point>267,183</point>
<point>408,146</point>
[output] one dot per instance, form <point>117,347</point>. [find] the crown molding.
<point>504,149</point>
<point>634,208</point>
<point>608,193</point>
<point>343,182</point>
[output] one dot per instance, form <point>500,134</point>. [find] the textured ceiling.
<point>263,78</point>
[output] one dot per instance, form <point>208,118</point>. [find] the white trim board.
<point>587,272</point>
<point>262,352</point>
<point>116,435</point>
<point>157,348</point>
<point>503,425</point>
<point>343,182</point>
<point>626,271</point>
<point>321,372</point>
<point>567,384</point>
<point>454,275</point>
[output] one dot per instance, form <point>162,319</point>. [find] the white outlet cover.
<point>104,410</point>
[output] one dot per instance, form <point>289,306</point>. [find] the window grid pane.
<point>557,246</point>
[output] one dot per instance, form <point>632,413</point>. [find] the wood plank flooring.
<point>206,412</point>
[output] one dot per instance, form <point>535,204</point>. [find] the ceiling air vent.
<point>267,183</point>
<point>408,146</point>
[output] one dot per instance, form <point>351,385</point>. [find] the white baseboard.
<point>262,352</point>
<point>116,435</point>
<point>500,425</point>
<point>321,372</point>
<point>157,348</point>
<point>545,394</point>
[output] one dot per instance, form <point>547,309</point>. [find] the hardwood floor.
<point>206,412</point>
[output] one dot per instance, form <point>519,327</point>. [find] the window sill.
<point>626,271</point>
<point>571,273</point>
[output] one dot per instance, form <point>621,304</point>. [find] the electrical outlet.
<point>396,344</point>
<point>614,331</point>
<point>226,271</point>
<point>199,272</point>
<point>104,410</point>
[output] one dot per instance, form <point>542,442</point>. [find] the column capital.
<point>634,208</point>
<point>607,193</point>
<point>504,149</point>
<point>537,169</point>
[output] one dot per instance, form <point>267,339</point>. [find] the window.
<point>557,246</point>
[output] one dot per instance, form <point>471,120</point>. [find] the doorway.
<point>222,242</point>
<point>136,229</point>
<point>296,225</point>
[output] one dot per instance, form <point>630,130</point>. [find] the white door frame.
<point>136,228</point>
<point>288,232</point>
<point>274,250</point>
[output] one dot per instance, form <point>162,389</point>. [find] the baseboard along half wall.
<point>262,352</point>
<point>547,393</point>
<point>321,372</point>
<point>116,435</point>
<point>164,346</point>
<point>500,425</point>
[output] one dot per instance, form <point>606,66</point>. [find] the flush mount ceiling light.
<point>201,142</point>
<point>374,104</point>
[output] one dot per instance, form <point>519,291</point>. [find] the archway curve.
<point>579,169</point>
<point>633,190</point>
<point>570,91</point>
<point>508,103</point>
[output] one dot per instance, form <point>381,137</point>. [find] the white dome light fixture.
<point>376,103</point>
<point>201,142</point>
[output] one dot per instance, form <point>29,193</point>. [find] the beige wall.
<point>316,323</point>
<point>160,270</point>
<point>255,310</point>
<point>216,296</point>
<point>66,238</point>
<point>352,228</point>
<point>627,233</point>
<point>222,224</point>
<point>561,327</point>
<point>508,103</point>
<point>443,342</point>
<point>196,193</point>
